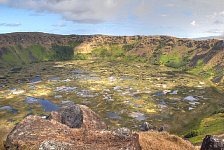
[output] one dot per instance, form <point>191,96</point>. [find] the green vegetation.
<point>10,58</point>
<point>39,52</point>
<point>62,52</point>
<point>110,52</point>
<point>202,70</point>
<point>191,134</point>
<point>212,125</point>
<point>174,61</point>
<point>117,52</point>
<point>18,55</point>
<point>137,84</point>
<point>221,110</point>
<point>81,56</point>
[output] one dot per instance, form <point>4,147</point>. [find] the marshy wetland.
<point>123,94</point>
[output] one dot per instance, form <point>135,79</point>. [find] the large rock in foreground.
<point>212,143</point>
<point>76,127</point>
<point>87,132</point>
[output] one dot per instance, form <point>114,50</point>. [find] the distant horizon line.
<point>219,37</point>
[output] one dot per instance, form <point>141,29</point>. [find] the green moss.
<point>37,51</point>
<point>174,60</point>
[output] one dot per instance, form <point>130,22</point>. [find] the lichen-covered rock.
<point>72,116</point>
<point>123,132</point>
<point>55,145</point>
<point>212,143</point>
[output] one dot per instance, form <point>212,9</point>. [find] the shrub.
<point>191,134</point>
<point>62,52</point>
<point>221,110</point>
<point>80,56</point>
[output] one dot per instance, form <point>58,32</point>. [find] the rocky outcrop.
<point>73,127</point>
<point>76,127</point>
<point>212,143</point>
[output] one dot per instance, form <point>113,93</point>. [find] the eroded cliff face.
<point>210,51</point>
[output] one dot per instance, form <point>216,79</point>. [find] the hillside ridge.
<point>201,55</point>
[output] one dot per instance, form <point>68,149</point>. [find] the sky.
<point>180,18</point>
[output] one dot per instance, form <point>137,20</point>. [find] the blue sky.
<point>181,18</point>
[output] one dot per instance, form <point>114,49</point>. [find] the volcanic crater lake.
<point>123,94</point>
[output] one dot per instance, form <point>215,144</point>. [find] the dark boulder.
<point>161,129</point>
<point>81,116</point>
<point>72,116</point>
<point>147,127</point>
<point>212,143</point>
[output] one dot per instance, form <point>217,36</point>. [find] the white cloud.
<point>215,31</point>
<point>221,13</point>
<point>164,15</point>
<point>193,23</point>
<point>10,24</point>
<point>87,11</point>
<point>184,15</point>
<point>60,24</point>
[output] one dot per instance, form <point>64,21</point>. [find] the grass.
<point>143,77</point>
<point>173,61</point>
<point>202,70</point>
<point>39,52</point>
<point>109,52</point>
<point>212,125</point>
<point>21,55</point>
<point>117,53</point>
